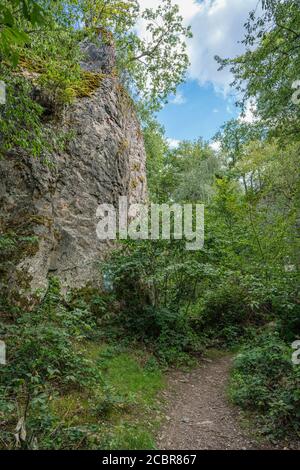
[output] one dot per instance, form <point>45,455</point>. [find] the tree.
<point>156,151</point>
<point>196,166</point>
<point>15,17</point>
<point>270,66</point>
<point>44,38</point>
<point>151,67</point>
<point>158,62</point>
<point>233,136</point>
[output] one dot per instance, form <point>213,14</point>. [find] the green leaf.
<point>13,35</point>
<point>7,18</point>
<point>37,15</point>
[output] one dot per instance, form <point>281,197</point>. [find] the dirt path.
<point>199,415</point>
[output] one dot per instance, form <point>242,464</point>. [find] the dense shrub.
<point>44,358</point>
<point>266,382</point>
<point>235,303</point>
<point>42,345</point>
<point>224,313</point>
<point>155,285</point>
<point>178,302</point>
<point>286,305</point>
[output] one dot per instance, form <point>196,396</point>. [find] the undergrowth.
<point>63,389</point>
<point>266,383</point>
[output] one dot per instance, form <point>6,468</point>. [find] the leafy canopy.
<point>151,66</point>
<point>271,64</point>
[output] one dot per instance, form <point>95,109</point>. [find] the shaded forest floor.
<point>199,415</point>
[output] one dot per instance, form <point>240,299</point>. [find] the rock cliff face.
<point>104,159</point>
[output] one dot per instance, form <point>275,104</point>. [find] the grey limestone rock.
<point>104,159</point>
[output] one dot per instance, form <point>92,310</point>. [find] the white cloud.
<point>216,145</point>
<point>249,115</point>
<point>218,26</point>
<point>229,109</point>
<point>215,110</point>
<point>178,98</point>
<point>173,143</point>
<point>188,8</point>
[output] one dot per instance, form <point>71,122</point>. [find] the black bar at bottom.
<point>135,459</point>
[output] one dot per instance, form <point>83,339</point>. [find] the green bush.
<point>155,285</point>
<point>287,306</point>
<point>223,313</point>
<point>265,381</point>
<point>41,345</point>
<point>228,309</point>
<point>44,358</point>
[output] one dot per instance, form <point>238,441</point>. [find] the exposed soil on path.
<point>199,415</point>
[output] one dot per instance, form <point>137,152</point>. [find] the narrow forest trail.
<point>199,415</point>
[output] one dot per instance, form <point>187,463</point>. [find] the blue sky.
<point>205,101</point>
<point>199,112</point>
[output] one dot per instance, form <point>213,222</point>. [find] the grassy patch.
<point>123,412</point>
